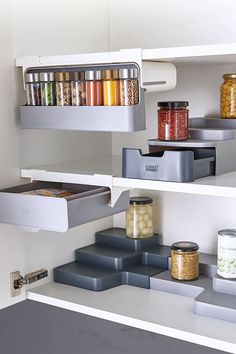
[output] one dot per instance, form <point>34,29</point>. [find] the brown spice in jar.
<point>185,261</point>
<point>129,92</point>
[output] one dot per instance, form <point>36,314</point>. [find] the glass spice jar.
<point>129,87</point>
<point>78,95</point>
<point>94,88</point>
<point>173,120</point>
<point>184,260</point>
<point>139,218</point>
<point>111,87</point>
<point>32,89</point>
<point>228,96</point>
<point>47,89</point>
<point>63,89</point>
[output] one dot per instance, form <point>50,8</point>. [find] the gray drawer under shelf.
<point>57,214</point>
<point>174,166</point>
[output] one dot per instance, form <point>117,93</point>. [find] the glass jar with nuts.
<point>228,96</point>
<point>184,260</point>
<point>139,218</point>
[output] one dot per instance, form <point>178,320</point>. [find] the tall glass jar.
<point>173,120</point>
<point>32,89</point>
<point>78,95</point>
<point>47,89</point>
<point>129,87</point>
<point>111,87</point>
<point>63,89</point>
<point>228,96</point>
<point>184,260</point>
<point>139,218</point>
<point>94,88</point>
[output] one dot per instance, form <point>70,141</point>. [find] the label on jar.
<point>226,258</point>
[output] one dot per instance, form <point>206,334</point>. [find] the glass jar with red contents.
<point>173,120</point>
<point>94,88</point>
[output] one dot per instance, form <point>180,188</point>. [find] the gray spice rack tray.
<point>85,118</point>
<point>114,260</point>
<point>174,166</point>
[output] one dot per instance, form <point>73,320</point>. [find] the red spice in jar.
<point>173,120</point>
<point>94,88</point>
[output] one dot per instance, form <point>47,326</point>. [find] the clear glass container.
<point>111,87</point>
<point>173,121</point>
<point>139,218</point>
<point>47,89</point>
<point>78,89</point>
<point>63,89</point>
<point>94,88</point>
<point>184,260</point>
<point>228,96</point>
<point>129,87</point>
<point>226,253</point>
<point>33,89</point>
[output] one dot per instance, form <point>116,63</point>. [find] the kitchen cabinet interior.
<point>106,172</point>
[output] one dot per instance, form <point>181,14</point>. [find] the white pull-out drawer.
<point>57,214</point>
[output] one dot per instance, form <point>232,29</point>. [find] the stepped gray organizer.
<point>114,260</point>
<point>85,118</point>
<point>57,214</point>
<point>177,166</point>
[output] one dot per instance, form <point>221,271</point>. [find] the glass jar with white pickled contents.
<point>139,218</point>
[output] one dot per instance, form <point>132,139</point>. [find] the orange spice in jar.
<point>184,260</point>
<point>111,87</point>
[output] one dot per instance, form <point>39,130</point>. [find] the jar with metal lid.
<point>94,88</point>
<point>78,95</point>
<point>173,120</point>
<point>111,87</point>
<point>47,89</point>
<point>32,89</point>
<point>129,87</point>
<point>228,96</point>
<point>184,260</point>
<point>226,254</point>
<point>139,218</point>
<point>63,89</point>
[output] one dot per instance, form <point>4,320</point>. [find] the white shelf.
<point>205,54</point>
<point>160,312</point>
<point>219,186</point>
<point>106,171</point>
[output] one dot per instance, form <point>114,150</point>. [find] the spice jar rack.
<point>123,74</point>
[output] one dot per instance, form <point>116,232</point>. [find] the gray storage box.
<point>174,166</point>
<point>57,214</point>
<point>85,118</point>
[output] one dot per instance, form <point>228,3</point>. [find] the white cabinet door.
<point>170,23</point>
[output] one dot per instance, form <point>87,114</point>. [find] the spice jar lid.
<point>172,104</point>
<point>93,75</point>
<point>185,246</point>
<point>140,200</point>
<point>229,76</point>
<point>128,73</point>
<point>31,77</point>
<point>227,233</point>
<point>46,76</point>
<point>74,76</point>
<point>110,74</point>
<point>61,76</point>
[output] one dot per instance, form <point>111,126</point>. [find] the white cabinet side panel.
<point>11,243</point>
